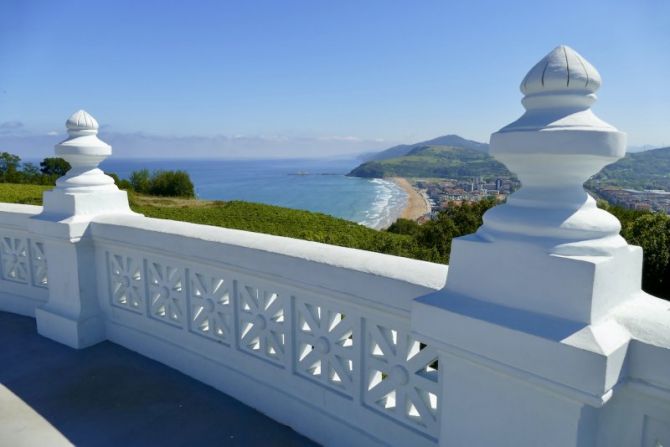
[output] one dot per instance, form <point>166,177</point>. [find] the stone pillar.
<point>528,355</point>
<point>72,314</point>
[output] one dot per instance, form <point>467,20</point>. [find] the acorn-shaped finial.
<point>563,69</point>
<point>82,123</point>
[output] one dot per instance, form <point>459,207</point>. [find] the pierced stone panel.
<point>262,315</point>
<point>38,263</point>
<point>211,307</point>
<point>14,253</point>
<point>126,282</point>
<point>325,345</point>
<point>402,377</point>
<point>167,301</point>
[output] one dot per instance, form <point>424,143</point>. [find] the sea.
<point>306,184</point>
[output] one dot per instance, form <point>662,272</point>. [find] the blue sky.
<point>251,78</point>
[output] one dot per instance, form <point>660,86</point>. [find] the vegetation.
<point>435,162</point>
<point>642,170</point>
<point>445,140</point>
<point>13,171</point>
<point>430,241</point>
<point>25,194</point>
<point>158,183</point>
<point>54,166</point>
<point>651,231</point>
<point>162,183</point>
<point>437,234</point>
<point>252,217</point>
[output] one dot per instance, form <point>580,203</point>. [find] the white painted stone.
<point>554,345</point>
<point>85,190</point>
<point>72,315</point>
<point>551,234</point>
<point>535,350</point>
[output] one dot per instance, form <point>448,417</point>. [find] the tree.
<point>404,226</point>
<point>140,180</point>
<point>31,173</point>
<point>54,166</point>
<point>651,231</point>
<point>9,164</point>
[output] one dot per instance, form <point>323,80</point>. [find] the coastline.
<point>417,204</point>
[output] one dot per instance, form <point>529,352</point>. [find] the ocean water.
<point>313,185</point>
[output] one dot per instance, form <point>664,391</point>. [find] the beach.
<point>417,204</point>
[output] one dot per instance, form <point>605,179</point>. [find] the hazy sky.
<point>247,78</point>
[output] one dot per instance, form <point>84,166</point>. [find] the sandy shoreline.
<point>417,204</point>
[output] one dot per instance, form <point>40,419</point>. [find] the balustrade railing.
<point>541,336</point>
<point>23,262</point>
<point>349,357</point>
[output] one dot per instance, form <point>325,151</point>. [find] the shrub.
<point>162,183</point>
<point>54,166</point>
<point>171,183</point>
<point>404,226</point>
<point>140,180</point>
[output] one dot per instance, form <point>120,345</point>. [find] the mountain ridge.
<point>637,170</point>
<point>433,161</point>
<point>400,150</point>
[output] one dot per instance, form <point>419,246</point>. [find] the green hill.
<point>445,140</point>
<point>435,162</point>
<point>642,170</point>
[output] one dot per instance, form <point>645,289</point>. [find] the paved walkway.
<point>106,395</point>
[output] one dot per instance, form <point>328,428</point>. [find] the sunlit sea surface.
<point>313,185</point>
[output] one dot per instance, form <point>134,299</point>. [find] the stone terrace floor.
<point>106,395</point>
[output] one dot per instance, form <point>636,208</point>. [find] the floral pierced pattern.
<point>402,377</point>
<point>126,282</point>
<point>361,357</point>
<point>38,262</point>
<point>325,342</point>
<point>211,307</point>
<point>15,259</point>
<point>262,323</point>
<point>166,293</point>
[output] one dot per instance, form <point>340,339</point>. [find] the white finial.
<point>550,249</point>
<point>81,123</point>
<point>85,190</point>
<point>84,151</point>
<point>563,69</point>
<point>554,148</point>
<point>556,88</point>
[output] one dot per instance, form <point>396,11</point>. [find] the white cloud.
<point>143,145</point>
<point>11,128</point>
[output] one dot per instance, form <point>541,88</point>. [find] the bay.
<point>307,184</point>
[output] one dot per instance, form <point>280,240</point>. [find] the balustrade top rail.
<point>387,280</point>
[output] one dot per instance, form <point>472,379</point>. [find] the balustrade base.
<point>75,333</point>
<point>524,274</point>
<point>62,203</point>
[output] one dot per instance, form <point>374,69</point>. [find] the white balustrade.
<point>557,345</point>
<point>23,262</point>
<point>347,356</point>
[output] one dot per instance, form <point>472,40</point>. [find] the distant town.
<point>441,192</point>
<point>656,200</point>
